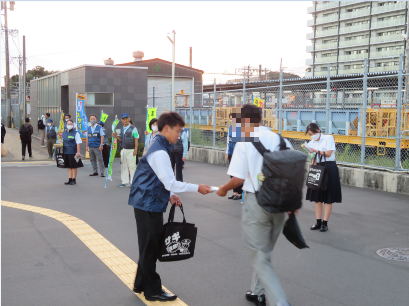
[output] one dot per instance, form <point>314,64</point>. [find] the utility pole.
<point>7,79</point>
<point>24,77</point>
<point>19,80</point>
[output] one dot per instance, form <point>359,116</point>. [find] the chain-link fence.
<point>367,116</point>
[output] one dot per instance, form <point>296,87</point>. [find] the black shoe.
<point>316,226</point>
<point>164,296</point>
<point>323,228</point>
<point>69,182</point>
<point>23,158</point>
<point>73,182</point>
<point>94,174</point>
<point>137,290</point>
<point>231,197</point>
<point>251,297</point>
<point>237,197</point>
<point>102,175</point>
<point>261,300</point>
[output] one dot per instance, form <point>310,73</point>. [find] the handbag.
<point>3,151</point>
<point>59,158</point>
<point>292,232</point>
<point>317,178</point>
<point>178,238</point>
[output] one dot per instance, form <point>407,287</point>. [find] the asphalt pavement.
<point>44,263</point>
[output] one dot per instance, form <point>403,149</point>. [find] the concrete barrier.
<point>362,178</point>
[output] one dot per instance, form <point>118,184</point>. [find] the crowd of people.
<point>154,182</point>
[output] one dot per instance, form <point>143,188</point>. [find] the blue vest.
<point>147,191</point>
<point>94,139</point>
<point>68,140</point>
<point>232,143</point>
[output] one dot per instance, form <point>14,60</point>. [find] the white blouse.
<point>326,143</point>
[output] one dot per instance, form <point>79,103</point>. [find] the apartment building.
<point>344,33</point>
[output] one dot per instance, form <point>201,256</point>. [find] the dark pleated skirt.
<point>333,193</point>
<point>69,162</point>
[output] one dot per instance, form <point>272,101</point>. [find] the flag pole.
<point>146,128</point>
<point>109,161</point>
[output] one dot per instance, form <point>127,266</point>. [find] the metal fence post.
<point>363,118</point>
<point>327,102</point>
<point>153,97</point>
<point>280,99</point>
<point>244,87</point>
<point>192,99</point>
<point>399,115</point>
<point>214,115</point>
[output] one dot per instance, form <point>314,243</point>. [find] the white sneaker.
<point>42,146</point>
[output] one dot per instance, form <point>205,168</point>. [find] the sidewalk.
<point>12,144</point>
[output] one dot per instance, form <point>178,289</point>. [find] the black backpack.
<point>40,124</point>
<point>284,173</point>
<point>25,132</point>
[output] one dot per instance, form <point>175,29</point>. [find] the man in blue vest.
<point>231,143</point>
<point>51,131</point>
<point>95,144</point>
<point>152,188</point>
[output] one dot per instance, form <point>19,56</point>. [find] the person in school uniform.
<point>95,144</point>
<point>153,125</point>
<point>51,131</point>
<point>324,147</point>
<point>231,143</point>
<point>107,146</point>
<point>71,149</point>
<point>129,144</point>
<point>153,186</point>
<point>260,228</point>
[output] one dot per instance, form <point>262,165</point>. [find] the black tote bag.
<point>317,178</point>
<point>59,158</point>
<point>178,239</point>
<point>292,232</point>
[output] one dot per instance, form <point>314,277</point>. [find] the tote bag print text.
<point>173,245</point>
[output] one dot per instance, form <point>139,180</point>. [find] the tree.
<point>37,71</point>
<point>275,75</point>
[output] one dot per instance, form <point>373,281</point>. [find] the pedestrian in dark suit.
<point>26,130</point>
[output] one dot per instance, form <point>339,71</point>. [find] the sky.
<point>223,35</point>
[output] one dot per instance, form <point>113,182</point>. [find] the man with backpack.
<point>26,130</point>
<point>41,127</point>
<point>260,225</point>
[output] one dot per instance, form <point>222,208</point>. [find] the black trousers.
<point>24,144</point>
<point>176,160</point>
<point>239,189</point>
<point>149,226</point>
<point>105,154</point>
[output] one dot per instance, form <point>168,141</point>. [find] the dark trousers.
<point>239,189</point>
<point>105,154</point>
<point>25,143</point>
<point>176,160</point>
<point>149,226</point>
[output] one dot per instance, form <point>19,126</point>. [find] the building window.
<point>330,28</point>
<point>356,23</point>
<point>99,99</point>
<point>331,14</point>
<point>357,9</point>
<point>389,48</point>
<point>329,41</point>
<point>387,64</point>
<point>390,33</point>
<point>329,54</point>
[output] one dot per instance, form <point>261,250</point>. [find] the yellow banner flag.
<point>104,117</point>
<point>258,102</point>
<point>151,115</point>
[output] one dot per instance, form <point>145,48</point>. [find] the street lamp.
<point>173,70</point>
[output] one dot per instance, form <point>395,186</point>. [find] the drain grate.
<point>400,254</point>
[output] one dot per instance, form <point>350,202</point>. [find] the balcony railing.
<point>327,19</point>
<point>309,48</point>
<point>376,39</point>
<point>310,35</point>
<point>387,53</point>
<point>388,8</point>
<point>387,23</point>
<point>355,42</point>
<point>324,6</point>
<point>332,45</point>
<point>358,13</point>
<point>326,32</point>
<point>384,68</point>
<point>345,3</point>
<point>324,73</point>
<point>325,59</point>
<point>351,71</point>
<point>359,27</point>
<point>351,57</point>
<point>310,23</point>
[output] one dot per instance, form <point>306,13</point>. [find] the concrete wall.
<point>362,178</point>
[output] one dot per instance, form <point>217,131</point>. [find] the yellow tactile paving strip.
<point>118,262</point>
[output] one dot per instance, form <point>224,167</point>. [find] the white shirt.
<point>78,138</point>
<point>160,163</point>
<point>326,143</point>
<point>246,161</point>
<point>93,127</point>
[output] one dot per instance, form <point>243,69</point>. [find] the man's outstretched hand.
<point>204,189</point>
<point>175,199</point>
<point>221,192</point>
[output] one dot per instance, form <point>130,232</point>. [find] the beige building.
<point>344,33</point>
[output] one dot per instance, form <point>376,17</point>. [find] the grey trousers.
<point>95,156</point>
<point>260,230</point>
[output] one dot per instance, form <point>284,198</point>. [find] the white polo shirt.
<point>326,143</point>
<point>246,161</point>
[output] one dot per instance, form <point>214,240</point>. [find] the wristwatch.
<point>101,145</point>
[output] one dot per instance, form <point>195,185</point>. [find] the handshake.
<point>204,189</point>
